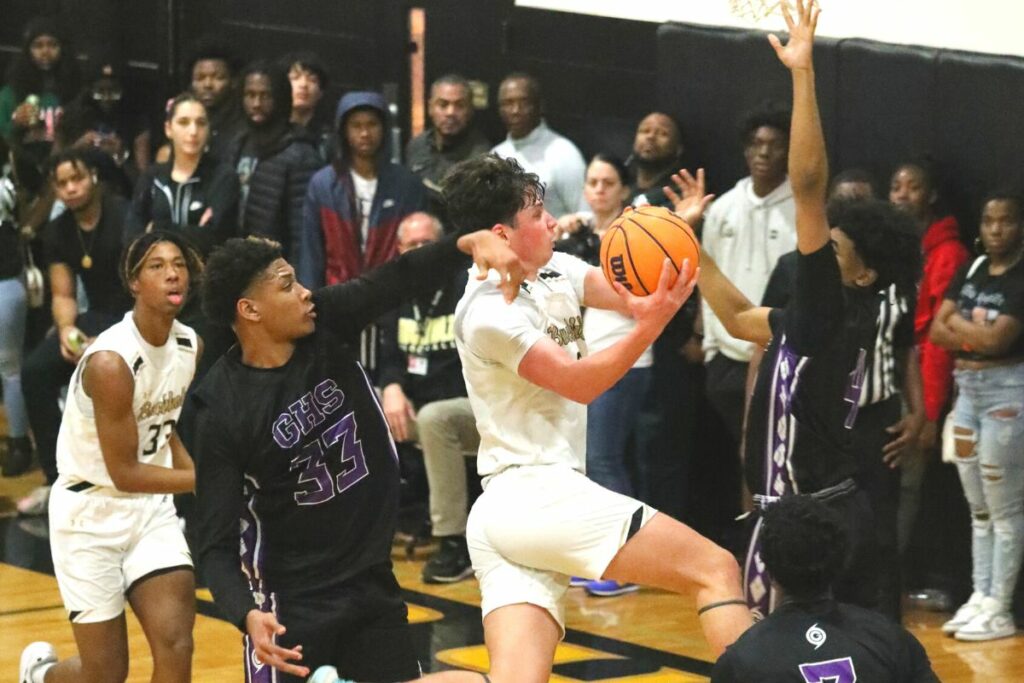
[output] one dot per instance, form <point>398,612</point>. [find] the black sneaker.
<point>19,456</point>
<point>450,563</point>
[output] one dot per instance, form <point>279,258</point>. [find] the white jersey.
<point>162,376</point>
<point>603,328</point>
<point>519,422</point>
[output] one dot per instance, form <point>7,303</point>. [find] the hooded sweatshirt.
<point>746,235</point>
<point>944,253</point>
<point>332,248</point>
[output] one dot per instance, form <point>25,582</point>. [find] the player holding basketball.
<point>291,438</point>
<point>113,530</point>
<point>808,385</point>
<point>540,520</point>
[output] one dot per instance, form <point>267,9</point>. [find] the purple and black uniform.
<point>297,464</point>
<point>821,641</point>
<point>803,407</point>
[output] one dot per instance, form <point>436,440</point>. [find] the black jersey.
<point>824,641</point>
<point>809,384</point>
<point>894,328</point>
<point>296,463</point>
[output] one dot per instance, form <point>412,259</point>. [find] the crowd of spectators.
<point>256,150</point>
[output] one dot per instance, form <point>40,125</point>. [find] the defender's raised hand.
<point>690,201</point>
<point>796,53</point>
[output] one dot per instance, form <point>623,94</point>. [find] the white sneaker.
<point>963,615</point>
<point>35,503</point>
<point>992,622</point>
<point>37,654</point>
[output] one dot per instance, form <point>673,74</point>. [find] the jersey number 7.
<point>317,485</point>
<point>831,671</point>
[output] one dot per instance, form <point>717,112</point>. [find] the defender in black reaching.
<point>296,462</point>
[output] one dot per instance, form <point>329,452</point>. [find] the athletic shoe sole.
<point>612,592</point>
<point>461,576</point>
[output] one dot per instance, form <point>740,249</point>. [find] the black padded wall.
<point>880,103</point>
<point>709,78</point>
<point>883,112</point>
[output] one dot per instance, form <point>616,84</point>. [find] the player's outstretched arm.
<point>583,380</point>
<point>490,252</point>
<point>808,163</point>
<point>741,318</point>
<point>108,381</point>
<point>347,308</point>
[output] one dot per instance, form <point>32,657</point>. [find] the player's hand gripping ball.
<point>637,243</point>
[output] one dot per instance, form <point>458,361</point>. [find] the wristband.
<point>721,603</point>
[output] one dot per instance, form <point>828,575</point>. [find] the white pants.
<point>535,526</point>
<point>103,542</point>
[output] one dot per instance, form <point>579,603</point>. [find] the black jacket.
<point>170,205</point>
<point>277,189</point>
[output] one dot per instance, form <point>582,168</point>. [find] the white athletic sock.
<point>39,674</point>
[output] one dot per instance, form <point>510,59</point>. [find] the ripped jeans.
<point>988,423</point>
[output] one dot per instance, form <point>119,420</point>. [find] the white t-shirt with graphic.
<point>365,188</point>
<point>519,422</point>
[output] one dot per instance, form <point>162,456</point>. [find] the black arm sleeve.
<point>219,502</point>
<point>346,308</point>
<point>391,362</point>
<point>815,311</point>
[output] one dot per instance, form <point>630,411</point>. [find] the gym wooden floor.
<point>648,636</point>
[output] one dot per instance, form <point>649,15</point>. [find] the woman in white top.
<point>613,415</point>
<point>114,535</point>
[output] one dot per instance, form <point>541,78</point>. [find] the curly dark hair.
<point>78,158</point>
<point>803,545</point>
<point>136,252</point>
<point>770,113</point>
<point>486,190</point>
<point>230,271</point>
<point>886,240</point>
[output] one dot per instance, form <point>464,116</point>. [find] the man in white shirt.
<point>540,520</point>
<point>537,148</point>
<point>746,231</point>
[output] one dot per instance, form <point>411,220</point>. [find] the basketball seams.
<point>650,242</point>
<point>629,255</point>
<point>658,242</point>
<point>687,230</point>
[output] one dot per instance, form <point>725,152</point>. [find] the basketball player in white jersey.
<point>113,531</point>
<point>540,520</point>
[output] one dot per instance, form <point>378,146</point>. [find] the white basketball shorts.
<point>103,542</point>
<point>536,526</point>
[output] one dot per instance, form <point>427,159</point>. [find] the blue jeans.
<point>989,421</point>
<point>610,421</point>
<point>13,309</point>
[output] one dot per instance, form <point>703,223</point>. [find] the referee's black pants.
<point>882,486</point>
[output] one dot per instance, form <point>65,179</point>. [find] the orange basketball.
<point>638,242</point>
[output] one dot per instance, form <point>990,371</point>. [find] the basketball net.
<point>755,10</point>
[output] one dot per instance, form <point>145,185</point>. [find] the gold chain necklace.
<point>86,258</point>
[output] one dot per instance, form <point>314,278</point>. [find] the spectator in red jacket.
<point>913,188</point>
